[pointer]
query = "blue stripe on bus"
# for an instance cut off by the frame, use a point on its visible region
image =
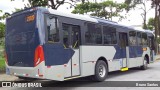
(120, 53)
(134, 51)
(139, 51)
(55, 54)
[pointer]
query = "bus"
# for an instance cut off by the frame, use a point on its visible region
(47, 44)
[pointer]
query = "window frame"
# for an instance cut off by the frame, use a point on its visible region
(140, 38)
(115, 33)
(101, 29)
(146, 39)
(135, 38)
(57, 25)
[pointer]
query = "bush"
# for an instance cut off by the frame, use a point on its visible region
(2, 42)
(2, 65)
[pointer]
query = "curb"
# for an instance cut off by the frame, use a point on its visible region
(158, 59)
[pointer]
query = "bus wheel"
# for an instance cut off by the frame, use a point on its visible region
(101, 71)
(145, 64)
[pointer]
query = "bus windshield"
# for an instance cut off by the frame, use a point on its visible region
(21, 38)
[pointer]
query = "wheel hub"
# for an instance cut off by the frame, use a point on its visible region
(102, 70)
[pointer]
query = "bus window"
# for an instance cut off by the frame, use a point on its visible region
(123, 40)
(139, 40)
(144, 39)
(75, 36)
(52, 28)
(65, 35)
(132, 38)
(109, 34)
(94, 34)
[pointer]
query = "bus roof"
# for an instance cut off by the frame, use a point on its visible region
(81, 17)
(86, 18)
(75, 16)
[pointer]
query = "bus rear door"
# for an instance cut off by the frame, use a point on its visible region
(71, 39)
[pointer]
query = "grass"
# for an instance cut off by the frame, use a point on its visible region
(2, 60)
(2, 64)
(1, 47)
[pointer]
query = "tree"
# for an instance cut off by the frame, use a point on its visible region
(54, 4)
(150, 24)
(3, 16)
(142, 6)
(156, 4)
(106, 9)
(131, 4)
(6, 14)
(2, 29)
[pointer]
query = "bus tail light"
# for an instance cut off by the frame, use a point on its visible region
(39, 55)
(6, 59)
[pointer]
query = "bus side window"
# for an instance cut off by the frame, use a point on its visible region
(144, 39)
(65, 35)
(75, 36)
(132, 38)
(52, 29)
(93, 34)
(109, 35)
(139, 38)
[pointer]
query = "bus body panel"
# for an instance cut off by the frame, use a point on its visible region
(66, 63)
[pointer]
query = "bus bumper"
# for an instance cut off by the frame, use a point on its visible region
(32, 72)
(40, 71)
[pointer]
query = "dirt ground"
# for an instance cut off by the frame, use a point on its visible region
(4, 77)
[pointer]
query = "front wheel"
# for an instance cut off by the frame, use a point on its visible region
(101, 71)
(145, 64)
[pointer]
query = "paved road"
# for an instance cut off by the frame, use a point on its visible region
(151, 74)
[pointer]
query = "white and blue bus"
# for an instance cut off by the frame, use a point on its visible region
(47, 44)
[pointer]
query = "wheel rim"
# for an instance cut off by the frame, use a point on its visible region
(102, 70)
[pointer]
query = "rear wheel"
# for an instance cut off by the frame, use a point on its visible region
(145, 64)
(101, 71)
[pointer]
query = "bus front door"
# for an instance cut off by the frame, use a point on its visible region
(123, 41)
(71, 39)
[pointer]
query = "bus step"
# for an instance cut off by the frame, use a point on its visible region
(124, 69)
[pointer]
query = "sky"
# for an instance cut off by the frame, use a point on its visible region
(134, 16)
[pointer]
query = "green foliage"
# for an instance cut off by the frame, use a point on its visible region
(3, 16)
(2, 29)
(158, 40)
(2, 64)
(150, 24)
(16, 10)
(2, 43)
(107, 9)
(2, 61)
(82, 8)
(132, 3)
(34, 3)
(54, 4)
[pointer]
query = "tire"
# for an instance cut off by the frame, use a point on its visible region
(145, 64)
(101, 71)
